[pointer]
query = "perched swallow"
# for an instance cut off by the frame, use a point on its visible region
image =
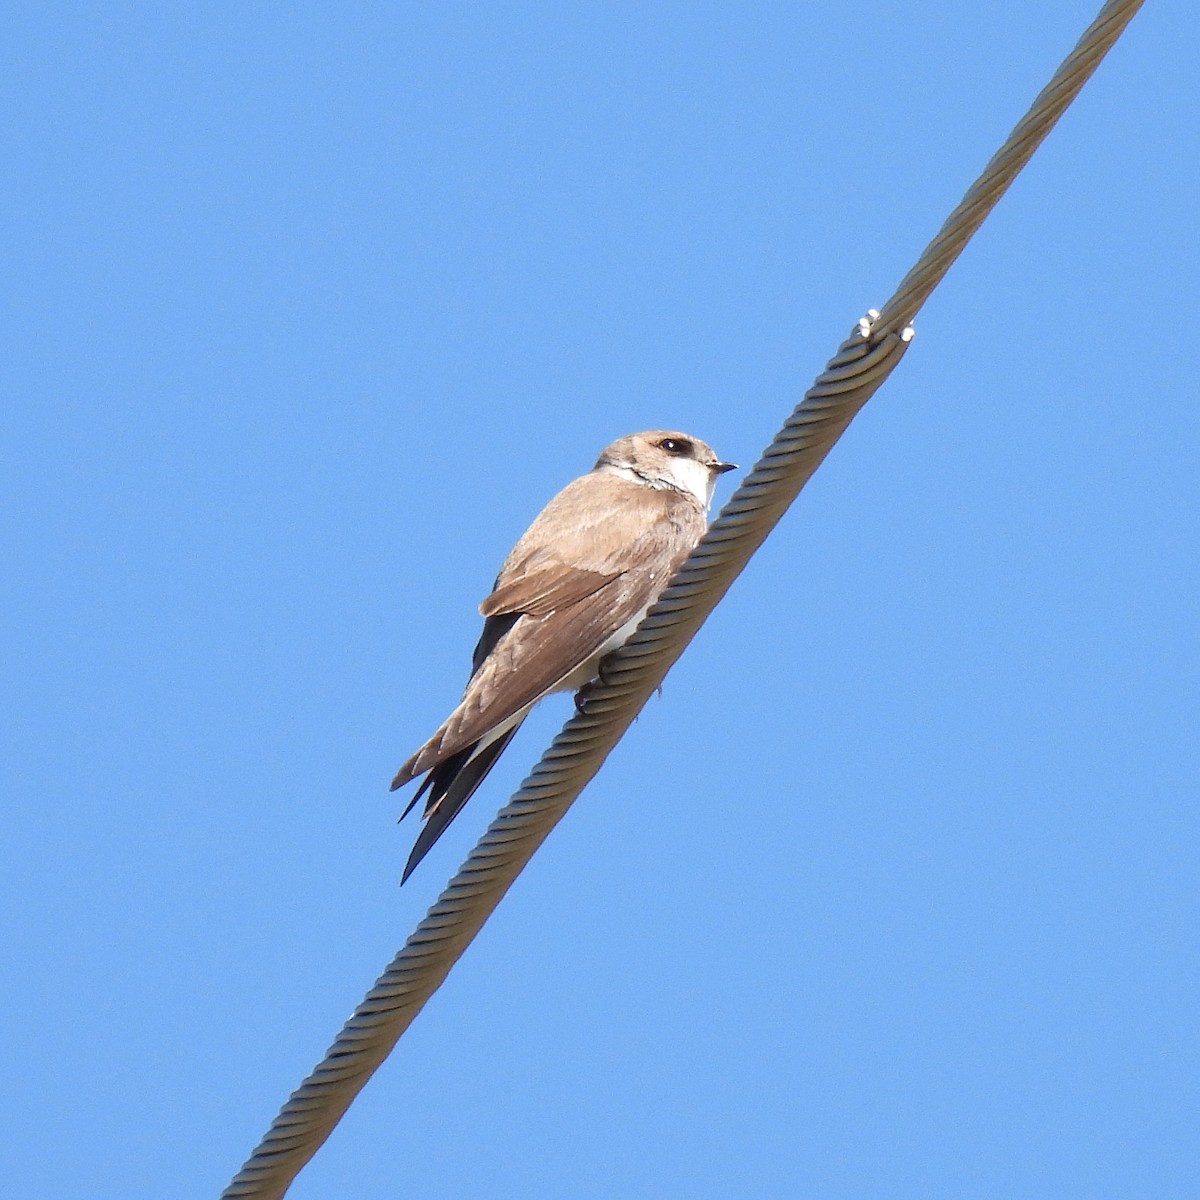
(571, 590)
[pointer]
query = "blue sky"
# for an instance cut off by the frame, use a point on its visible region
(893, 892)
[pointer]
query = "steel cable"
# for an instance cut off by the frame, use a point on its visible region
(632, 674)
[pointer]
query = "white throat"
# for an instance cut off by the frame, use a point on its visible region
(683, 474)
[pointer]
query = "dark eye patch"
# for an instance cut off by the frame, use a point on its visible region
(675, 445)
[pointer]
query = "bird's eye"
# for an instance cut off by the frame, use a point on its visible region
(675, 445)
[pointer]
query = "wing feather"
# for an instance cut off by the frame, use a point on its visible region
(549, 586)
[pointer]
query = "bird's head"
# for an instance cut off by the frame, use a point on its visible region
(665, 458)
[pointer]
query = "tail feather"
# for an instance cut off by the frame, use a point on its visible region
(450, 785)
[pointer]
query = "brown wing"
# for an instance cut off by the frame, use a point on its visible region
(602, 549)
(544, 589)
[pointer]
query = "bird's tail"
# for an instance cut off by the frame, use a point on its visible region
(449, 786)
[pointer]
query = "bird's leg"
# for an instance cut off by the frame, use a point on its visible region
(584, 694)
(601, 677)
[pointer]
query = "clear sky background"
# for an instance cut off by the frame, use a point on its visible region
(310, 308)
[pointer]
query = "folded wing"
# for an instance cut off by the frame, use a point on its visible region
(587, 566)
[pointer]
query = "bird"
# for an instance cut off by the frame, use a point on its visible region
(573, 588)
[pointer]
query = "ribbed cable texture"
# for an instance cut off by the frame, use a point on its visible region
(632, 674)
(1050, 103)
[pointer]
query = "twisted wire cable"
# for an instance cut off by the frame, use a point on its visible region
(632, 674)
(1049, 104)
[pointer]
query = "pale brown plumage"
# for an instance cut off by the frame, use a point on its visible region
(590, 564)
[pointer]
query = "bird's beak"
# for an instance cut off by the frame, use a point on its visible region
(721, 468)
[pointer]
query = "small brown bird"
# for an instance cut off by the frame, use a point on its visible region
(571, 590)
